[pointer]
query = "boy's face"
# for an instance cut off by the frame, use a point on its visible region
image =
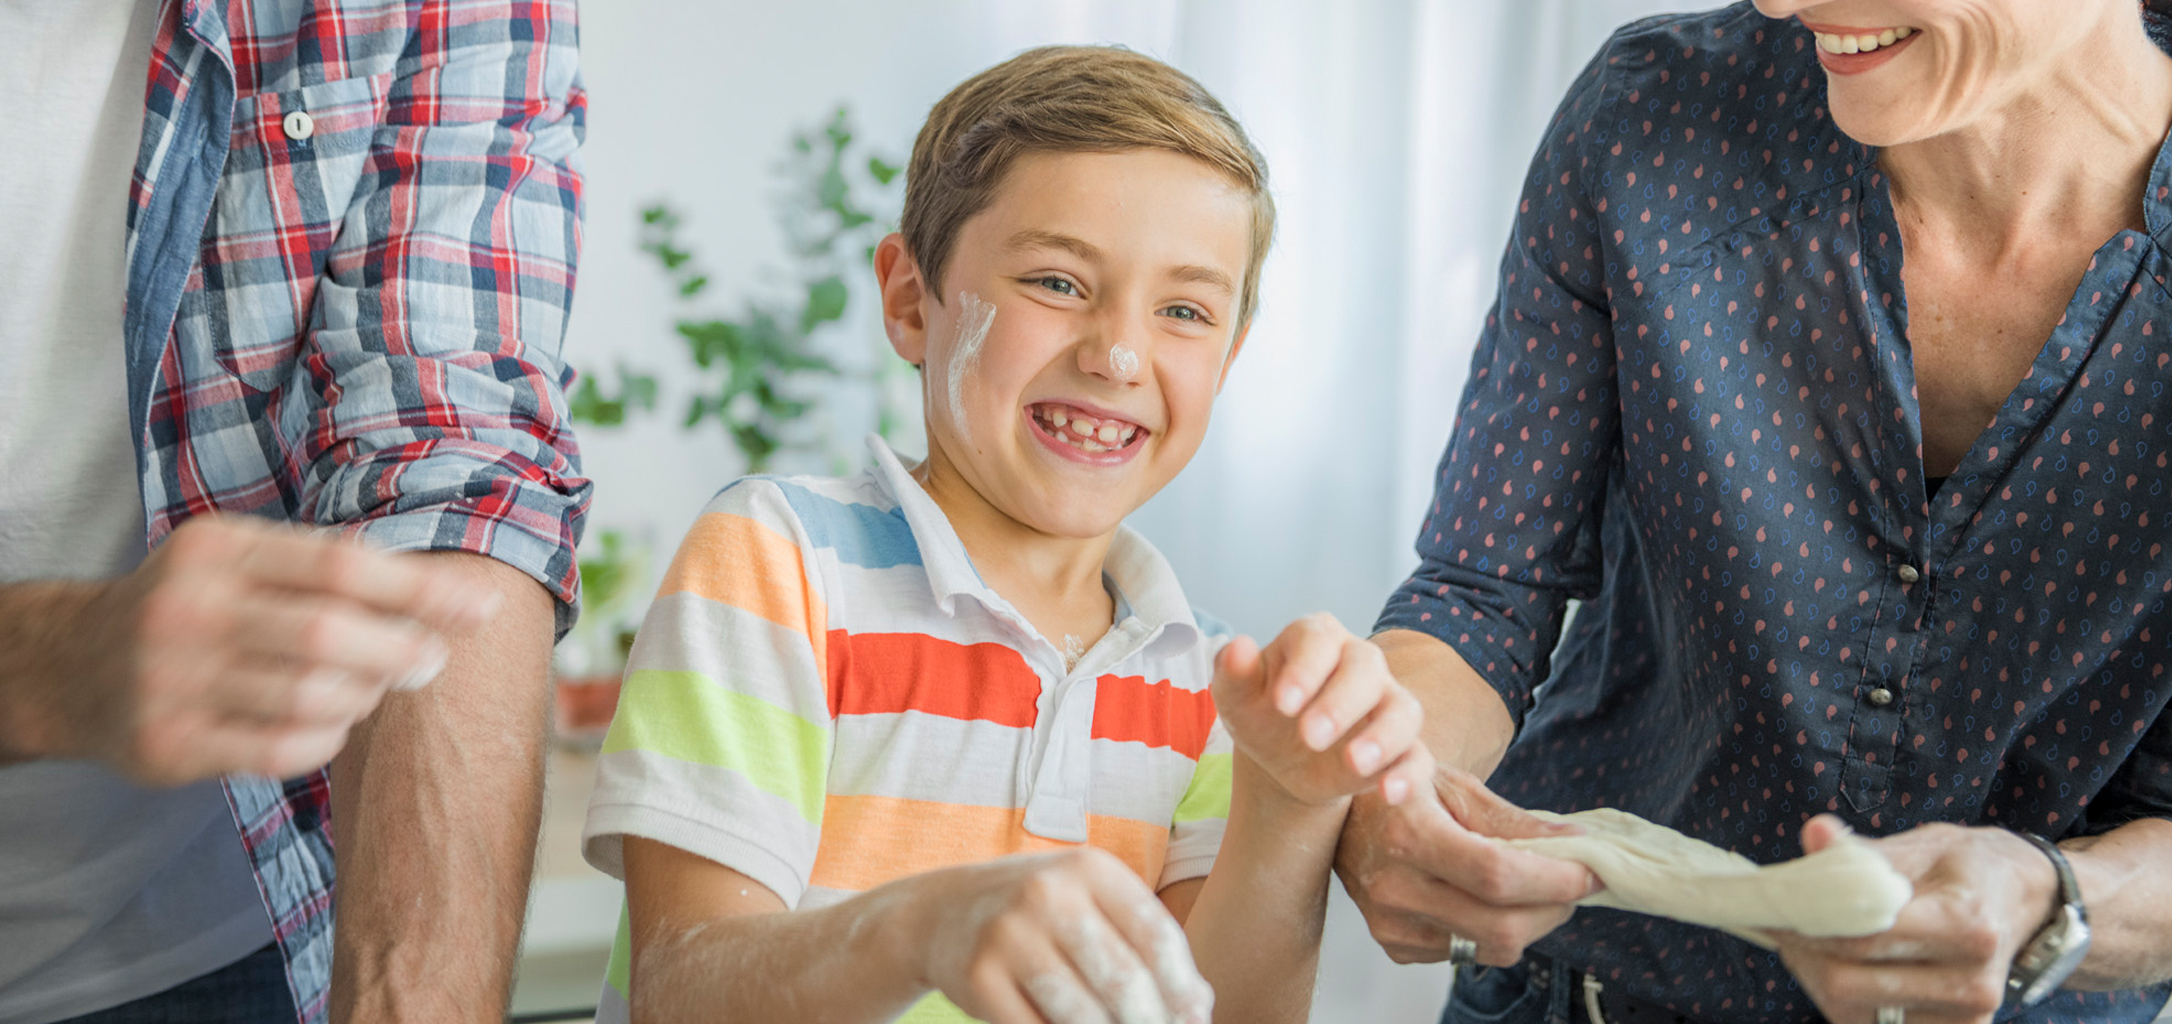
(1088, 316)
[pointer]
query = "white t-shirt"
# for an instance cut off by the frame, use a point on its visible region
(108, 891)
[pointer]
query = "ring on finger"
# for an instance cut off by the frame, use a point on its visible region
(1892, 1015)
(1463, 952)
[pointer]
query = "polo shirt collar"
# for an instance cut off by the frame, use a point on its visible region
(1144, 581)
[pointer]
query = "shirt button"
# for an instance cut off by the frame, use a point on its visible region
(299, 125)
(1881, 697)
(1908, 573)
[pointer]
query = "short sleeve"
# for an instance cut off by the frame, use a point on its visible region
(1512, 532)
(721, 742)
(1195, 832)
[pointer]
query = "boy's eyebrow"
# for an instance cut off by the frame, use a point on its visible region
(1196, 274)
(1032, 238)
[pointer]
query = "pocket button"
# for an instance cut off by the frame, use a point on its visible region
(299, 125)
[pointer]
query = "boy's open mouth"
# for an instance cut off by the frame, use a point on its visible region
(1085, 431)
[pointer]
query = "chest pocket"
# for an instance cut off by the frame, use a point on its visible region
(293, 167)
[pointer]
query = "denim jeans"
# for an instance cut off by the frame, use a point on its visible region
(1523, 994)
(251, 990)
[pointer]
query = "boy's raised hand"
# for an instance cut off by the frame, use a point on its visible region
(1319, 712)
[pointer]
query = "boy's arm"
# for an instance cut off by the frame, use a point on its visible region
(1255, 920)
(1314, 718)
(1065, 938)
(702, 932)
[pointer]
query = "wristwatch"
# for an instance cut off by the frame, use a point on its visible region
(2056, 951)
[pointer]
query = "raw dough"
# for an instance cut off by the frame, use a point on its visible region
(1846, 889)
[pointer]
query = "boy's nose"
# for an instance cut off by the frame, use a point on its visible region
(1116, 354)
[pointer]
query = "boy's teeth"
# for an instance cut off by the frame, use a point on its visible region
(1058, 418)
(1108, 433)
(1081, 428)
(1832, 43)
(1128, 431)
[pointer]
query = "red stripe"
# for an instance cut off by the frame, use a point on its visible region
(886, 673)
(1129, 709)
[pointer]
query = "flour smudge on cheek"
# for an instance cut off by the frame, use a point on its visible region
(974, 319)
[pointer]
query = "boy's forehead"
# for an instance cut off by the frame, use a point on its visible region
(1150, 205)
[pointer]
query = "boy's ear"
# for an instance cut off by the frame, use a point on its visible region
(1231, 359)
(897, 277)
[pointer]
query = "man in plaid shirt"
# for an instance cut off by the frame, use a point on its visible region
(331, 294)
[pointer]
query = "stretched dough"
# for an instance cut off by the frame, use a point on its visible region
(1846, 889)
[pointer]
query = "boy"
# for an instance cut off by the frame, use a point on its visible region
(955, 717)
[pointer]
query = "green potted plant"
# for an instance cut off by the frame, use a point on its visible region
(760, 374)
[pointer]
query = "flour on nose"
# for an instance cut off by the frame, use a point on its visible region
(1123, 364)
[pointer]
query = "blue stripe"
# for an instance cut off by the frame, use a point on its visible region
(862, 535)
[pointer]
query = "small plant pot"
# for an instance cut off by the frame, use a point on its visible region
(583, 709)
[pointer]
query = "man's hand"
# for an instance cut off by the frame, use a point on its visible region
(1318, 711)
(1428, 869)
(1981, 893)
(239, 645)
(1061, 938)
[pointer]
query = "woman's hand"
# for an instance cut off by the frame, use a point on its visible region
(1427, 870)
(1319, 713)
(1981, 894)
(1061, 938)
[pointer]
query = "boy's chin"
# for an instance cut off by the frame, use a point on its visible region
(1073, 523)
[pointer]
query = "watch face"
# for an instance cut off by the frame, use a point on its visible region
(2053, 955)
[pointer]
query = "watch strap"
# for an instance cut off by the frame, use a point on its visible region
(2069, 887)
(2048, 958)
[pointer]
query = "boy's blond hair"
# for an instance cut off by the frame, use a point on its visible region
(1069, 99)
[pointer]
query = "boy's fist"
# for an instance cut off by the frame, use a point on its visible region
(1319, 712)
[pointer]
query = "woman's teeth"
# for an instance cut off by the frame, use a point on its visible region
(1084, 432)
(1832, 43)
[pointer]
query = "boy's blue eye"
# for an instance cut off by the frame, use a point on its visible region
(1060, 286)
(1186, 313)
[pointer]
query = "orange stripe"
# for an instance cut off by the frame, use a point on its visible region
(870, 840)
(734, 560)
(1158, 715)
(887, 673)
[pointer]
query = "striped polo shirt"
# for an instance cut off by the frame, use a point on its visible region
(826, 697)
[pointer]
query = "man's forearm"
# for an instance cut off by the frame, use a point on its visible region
(1255, 928)
(33, 617)
(1466, 725)
(435, 806)
(2126, 881)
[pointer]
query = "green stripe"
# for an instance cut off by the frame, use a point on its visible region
(619, 975)
(691, 717)
(1208, 795)
(934, 1010)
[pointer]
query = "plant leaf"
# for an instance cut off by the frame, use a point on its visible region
(825, 302)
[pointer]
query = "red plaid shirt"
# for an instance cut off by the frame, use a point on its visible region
(351, 240)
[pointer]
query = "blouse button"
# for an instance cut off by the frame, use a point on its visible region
(299, 125)
(1908, 574)
(1881, 697)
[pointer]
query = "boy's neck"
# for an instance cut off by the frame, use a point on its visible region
(1054, 581)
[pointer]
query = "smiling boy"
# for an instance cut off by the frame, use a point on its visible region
(931, 741)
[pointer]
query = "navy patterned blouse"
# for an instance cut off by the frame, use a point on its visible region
(1693, 409)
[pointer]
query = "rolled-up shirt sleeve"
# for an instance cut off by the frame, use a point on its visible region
(1512, 532)
(435, 415)
(2141, 786)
